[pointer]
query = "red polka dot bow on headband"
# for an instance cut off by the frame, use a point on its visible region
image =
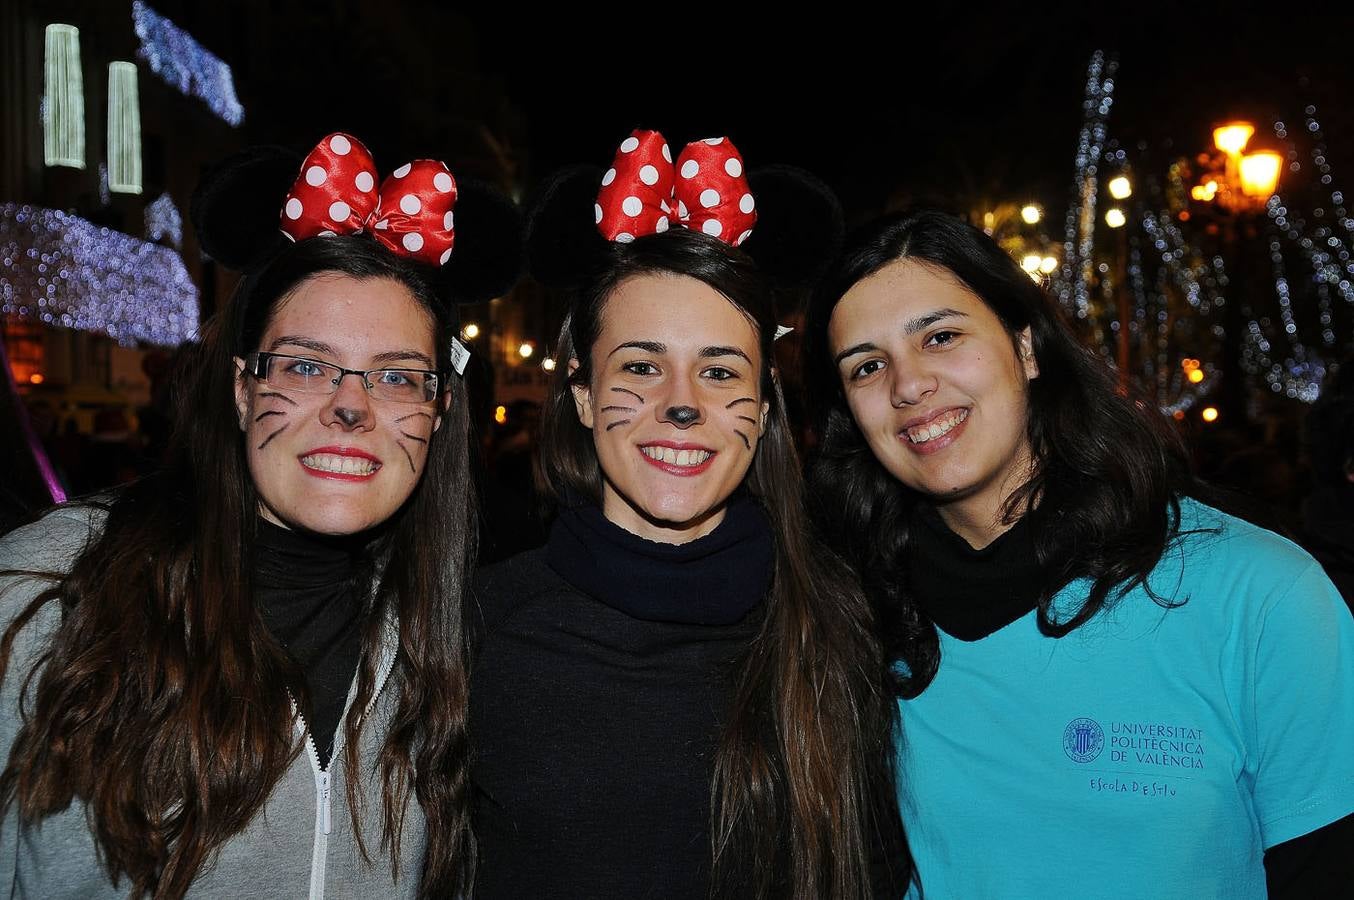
(644, 192)
(336, 194)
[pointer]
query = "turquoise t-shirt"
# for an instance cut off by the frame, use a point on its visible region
(1151, 753)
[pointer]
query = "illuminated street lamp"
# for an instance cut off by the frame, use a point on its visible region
(1260, 173)
(1249, 179)
(1233, 137)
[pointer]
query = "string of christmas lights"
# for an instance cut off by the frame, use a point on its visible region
(164, 221)
(1073, 288)
(65, 271)
(185, 64)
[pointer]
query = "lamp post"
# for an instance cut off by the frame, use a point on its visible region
(1121, 188)
(1237, 194)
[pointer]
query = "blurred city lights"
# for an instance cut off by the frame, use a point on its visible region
(1048, 264)
(501, 414)
(526, 349)
(470, 331)
(36, 378)
(1114, 217)
(548, 364)
(1031, 214)
(1209, 414)
(1031, 262)
(1120, 188)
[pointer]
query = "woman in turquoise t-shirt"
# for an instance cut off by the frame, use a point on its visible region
(1105, 686)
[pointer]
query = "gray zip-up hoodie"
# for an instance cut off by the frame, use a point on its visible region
(300, 844)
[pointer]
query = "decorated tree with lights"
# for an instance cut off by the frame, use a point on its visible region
(1195, 282)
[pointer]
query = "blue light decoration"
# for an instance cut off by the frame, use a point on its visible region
(164, 221)
(68, 272)
(1073, 288)
(182, 62)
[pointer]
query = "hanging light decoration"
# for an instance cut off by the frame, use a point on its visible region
(65, 271)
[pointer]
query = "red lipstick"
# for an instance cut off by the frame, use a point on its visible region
(672, 468)
(314, 469)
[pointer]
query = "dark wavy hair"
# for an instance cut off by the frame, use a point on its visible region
(181, 750)
(796, 787)
(1108, 470)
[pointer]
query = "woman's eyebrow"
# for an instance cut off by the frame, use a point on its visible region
(714, 352)
(852, 351)
(912, 326)
(646, 346)
(308, 343)
(390, 356)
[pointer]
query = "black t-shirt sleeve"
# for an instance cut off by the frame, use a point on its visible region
(1318, 864)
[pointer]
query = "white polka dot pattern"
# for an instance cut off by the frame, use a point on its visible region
(336, 193)
(706, 186)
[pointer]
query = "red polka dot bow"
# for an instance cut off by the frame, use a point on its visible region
(644, 192)
(336, 193)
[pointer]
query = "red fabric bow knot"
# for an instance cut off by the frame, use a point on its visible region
(411, 215)
(645, 192)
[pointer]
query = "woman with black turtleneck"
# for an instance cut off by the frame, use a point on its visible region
(1106, 687)
(308, 589)
(598, 701)
(676, 697)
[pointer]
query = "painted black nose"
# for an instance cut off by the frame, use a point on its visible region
(350, 417)
(683, 415)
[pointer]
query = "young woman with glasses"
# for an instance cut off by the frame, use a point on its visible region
(243, 676)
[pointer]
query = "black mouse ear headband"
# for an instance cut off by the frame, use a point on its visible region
(467, 233)
(787, 220)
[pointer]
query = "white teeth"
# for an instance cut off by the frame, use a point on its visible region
(923, 433)
(688, 458)
(341, 465)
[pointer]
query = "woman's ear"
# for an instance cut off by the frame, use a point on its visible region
(582, 397)
(241, 394)
(1025, 344)
(445, 403)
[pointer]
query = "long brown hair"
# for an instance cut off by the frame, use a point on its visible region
(162, 702)
(799, 774)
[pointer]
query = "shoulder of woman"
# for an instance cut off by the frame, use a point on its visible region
(498, 590)
(1228, 553)
(51, 543)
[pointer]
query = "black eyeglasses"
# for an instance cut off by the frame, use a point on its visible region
(310, 376)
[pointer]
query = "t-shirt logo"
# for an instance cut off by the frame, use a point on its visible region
(1083, 739)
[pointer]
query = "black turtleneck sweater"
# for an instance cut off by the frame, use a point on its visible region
(306, 593)
(598, 690)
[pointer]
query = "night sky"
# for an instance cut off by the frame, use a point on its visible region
(977, 107)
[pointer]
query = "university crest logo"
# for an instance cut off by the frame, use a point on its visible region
(1083, 739)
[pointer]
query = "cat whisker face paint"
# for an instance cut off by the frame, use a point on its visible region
(340, 462)
(674, 405)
